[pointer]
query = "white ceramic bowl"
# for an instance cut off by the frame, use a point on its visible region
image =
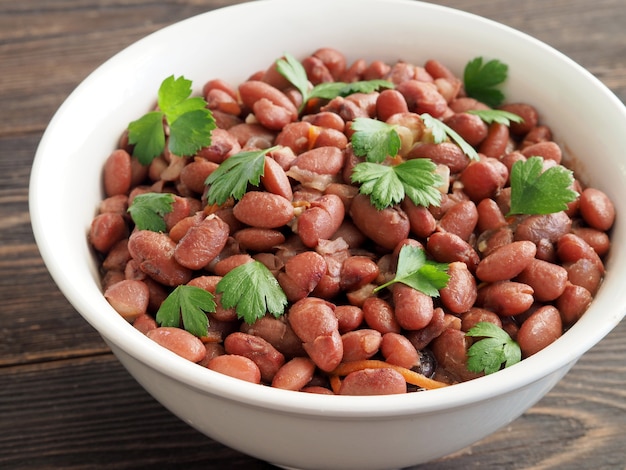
(290, 428)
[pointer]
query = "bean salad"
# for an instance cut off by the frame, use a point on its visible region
(378, 219)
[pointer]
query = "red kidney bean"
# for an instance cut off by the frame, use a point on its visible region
(446, 247)
(195, 173)
(548, 280)
(202, 243)
(413, 309)
(239, 367)
(117, 256)
(315, 323)
(491, 240)
(128, 298)
(570, 248)
(528, 114)
(572, 303)
(114, 204)
(460, 293)
(475, 315)
(144, 323)
(321, 220)
(550, 227)
(421, 221)
(295, 374)
(263, 210)
(390, 102)
(398, 350)
(373, 382)
(422, 97)
(360, 344)
(228, 263)
(460, 219)
(117, 173)
(333, 59)
(106, 230)
(597, 209)
(357, 271)
(271, 115)
(506, 262)
(450, 351)
(483, 179)
(259, 239)
(331, 138)
(275, 180)
(422, 338)
(155, 254)
(496, 142)
(278, 333)
(597, 239)
(302, 274)
(539, 330)
(178, 341)
(585, 273)
(490, 216)
(316, 70)
(506, 298)
(547, 150)
(321, 160)
(469, 126)
(255, 348)
(379, 315)
(385, 227)
(252, 91)
(462, 104)
(445, 153)
(209, 283)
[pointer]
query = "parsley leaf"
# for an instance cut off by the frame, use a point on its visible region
(496, 115)
(534, 191)
(495, 349)
(190, 123)
(294, 72)
(147, 210)
(442, 131)
(375, 140)
(417, 272)
(388, 185)
(253, 290)
(232, 177)
(189, 303)
(480, 80)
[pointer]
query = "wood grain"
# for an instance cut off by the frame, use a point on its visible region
(65, 401)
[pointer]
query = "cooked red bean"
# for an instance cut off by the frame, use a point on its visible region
(373, 382)
(539, 330)
(236, 366)
(329, 247)
(179, 341)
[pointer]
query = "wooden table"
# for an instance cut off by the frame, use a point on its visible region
(65, 401)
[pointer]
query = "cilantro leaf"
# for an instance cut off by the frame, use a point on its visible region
(442, 131)
(188, 303)
(496, 115)
(480, 80)
(417, 272)
(534, 191)
(290, 68)
(253, 290)
(232, 177)
(388, 185)
(495, 349)
(375, 140)
(147, 210)
(190, 123)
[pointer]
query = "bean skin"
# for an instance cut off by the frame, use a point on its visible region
(253, 90)
(539, 330)
(447, 247)
(294, 374)
(483, 179)
(255, 348)
(422, 97)
(360, 344)
(357, 271)
(460, 293)
(155, 254)
(548, 280)
(373, 382)
(572, 303)
(585, 273)
(349, 317)
(195, 173)
(144, 323)
(379, 315)
(506, 298)
(275, 180)
(597, 209)
(302, 274)
(129, 298)
(506, 262)
(469, 126)
(490, 216)
(278, 333)
(422, 338)
(598, 240)
(528, 114)
(202, 243)
(547, 150)
(495, 144)
(538, 227)
(390, 102)
(259, 239)
(570, 248)
(263, 210)
(421, 220)
(106, 230)
(117, 173)
(321, 220)
(460, 219)
(239, 367)
(398, 350)
(179, 341)
(476, 315)
(413, 309)
(445, 153)
(386, 227)
(321, 160)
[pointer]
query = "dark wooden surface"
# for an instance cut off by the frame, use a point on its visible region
(65, 402)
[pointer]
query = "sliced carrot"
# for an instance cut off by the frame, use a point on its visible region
(314, 132)
(335, 383)
(410, 376)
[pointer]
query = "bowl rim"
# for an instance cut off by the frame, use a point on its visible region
(561, 354)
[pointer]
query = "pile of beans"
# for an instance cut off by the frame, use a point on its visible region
(328, 247)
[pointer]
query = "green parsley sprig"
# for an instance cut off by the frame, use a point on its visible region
(291, 68)
(534, 191)
(441, 132)
(147, 210)
(190, 123)
(373, 139)
(253, 291)
(482, 79)
(418, 272)
(495, 349)
(496, 115)
(189, 305)
(232, 177)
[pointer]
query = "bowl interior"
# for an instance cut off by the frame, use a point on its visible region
(230, 44)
